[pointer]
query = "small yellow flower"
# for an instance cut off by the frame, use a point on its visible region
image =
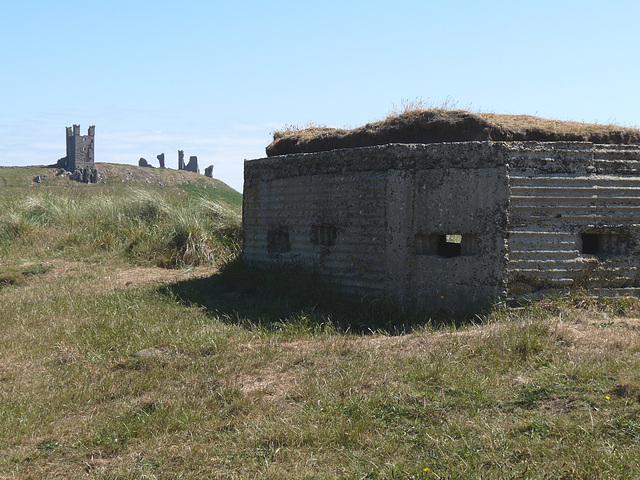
(607, 398)
(426, 470)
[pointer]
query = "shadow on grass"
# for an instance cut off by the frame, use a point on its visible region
(290, 297)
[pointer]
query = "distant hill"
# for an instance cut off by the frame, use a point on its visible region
(115, 176)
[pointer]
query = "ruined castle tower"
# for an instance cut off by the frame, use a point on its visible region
(80, 149)
(80, 157)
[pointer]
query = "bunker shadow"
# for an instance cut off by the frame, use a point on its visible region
(290, 296)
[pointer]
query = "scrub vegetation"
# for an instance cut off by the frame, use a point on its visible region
(165, 223)
(116, 367)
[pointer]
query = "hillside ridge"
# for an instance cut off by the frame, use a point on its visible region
(113, 175)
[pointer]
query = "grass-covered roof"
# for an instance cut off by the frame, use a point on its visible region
(440, 125)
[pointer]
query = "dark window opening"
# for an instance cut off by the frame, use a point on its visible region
(448, 246)
(278, 241)
(324, 235)
(604, 244)
(590, 244)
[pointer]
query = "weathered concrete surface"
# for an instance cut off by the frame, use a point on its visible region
(451, 225)
(559, 194)
(381, 201)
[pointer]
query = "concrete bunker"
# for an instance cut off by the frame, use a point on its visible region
(451, 225)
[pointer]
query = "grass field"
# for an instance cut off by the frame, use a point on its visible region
(117, 363)
(147, 216)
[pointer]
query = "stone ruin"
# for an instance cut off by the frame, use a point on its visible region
(80, 158)
(191, 166)
(85, 175)
(143, 163)
(80, 155)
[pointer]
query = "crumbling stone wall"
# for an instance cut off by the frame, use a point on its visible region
(85, 175)
(180, 159)
(192, 166)
(453, 226)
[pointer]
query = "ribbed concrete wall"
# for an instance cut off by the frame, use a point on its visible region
(384, 202)
(529, 217)
(558, 193)
(304, 203)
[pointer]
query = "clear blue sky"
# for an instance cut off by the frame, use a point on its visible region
(215, 78)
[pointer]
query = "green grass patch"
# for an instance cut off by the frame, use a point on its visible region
(147, 381)
(207, 191)
(250, 373)
(143, 226)
(16, 275)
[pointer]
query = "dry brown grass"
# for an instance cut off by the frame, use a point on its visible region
(418, 122)
(308, 131)
(516, 123)
(523, 123)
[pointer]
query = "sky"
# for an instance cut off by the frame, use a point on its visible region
(216, 79)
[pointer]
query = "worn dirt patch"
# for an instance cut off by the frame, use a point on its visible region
(136, 276)
(600, 332)
(107, 279)
(279, 379)
(560, 404)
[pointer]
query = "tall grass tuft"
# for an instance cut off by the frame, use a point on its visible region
(141, 226)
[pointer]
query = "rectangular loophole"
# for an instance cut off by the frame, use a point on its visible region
(606, 244)
(278, 241)
(324, 235)
(447, 245)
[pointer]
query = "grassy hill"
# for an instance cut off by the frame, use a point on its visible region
(116, 178)
(145, 216)
(135, 345)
